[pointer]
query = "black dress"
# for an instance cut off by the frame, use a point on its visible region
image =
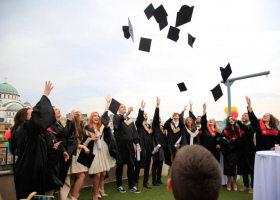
(31, 165)
(246, 150)
(229, 148)
(208, 138)
(266, 138)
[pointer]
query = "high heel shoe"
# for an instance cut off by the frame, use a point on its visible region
(102, 195)
(235, 187)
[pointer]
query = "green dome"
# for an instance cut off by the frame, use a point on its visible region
(7, 88)
(14, 108)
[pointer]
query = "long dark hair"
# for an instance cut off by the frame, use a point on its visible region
(273, 122)
(20, 117)
(229, 129)
(192, 125)
(79, 132)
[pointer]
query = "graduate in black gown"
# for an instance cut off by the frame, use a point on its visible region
(126, 135)
(191, 134)
(175, 128)
(145, 133)
(209, 134)
(267, 133)
(59, 160)
(229, 146)
(246, 152)
(197, 119)
(31, 165)
(159, 138)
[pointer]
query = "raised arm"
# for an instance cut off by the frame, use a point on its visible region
(105, 118)
(204, 118)
(156, 115)
(191, 112)
(140, 117)
(43, 115)
(248, 100)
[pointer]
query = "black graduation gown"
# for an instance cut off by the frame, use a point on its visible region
(267, 138)
(145, 133)
(187, 136)
(173, 134)
(246, 150)
(229, 148)
(57, 167)
(125, 134)
(197, 140)
(208, 138)
(30, 167)
(159, 137)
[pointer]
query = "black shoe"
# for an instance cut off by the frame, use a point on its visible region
(160, 182)
(155, 184)
(134, 190)
(121, 190)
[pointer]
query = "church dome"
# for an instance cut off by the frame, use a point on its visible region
(7, 88)
(14, 108)
(27, 103)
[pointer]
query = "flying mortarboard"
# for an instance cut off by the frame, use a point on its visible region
(191, 40)
(182, 87)
(114, 106)
(226, 72)
(217, 92)
(128, 31)
(173, 33)
(160, 14)
(163, 24)
(184, 15)
(149, 11)
(145, 44)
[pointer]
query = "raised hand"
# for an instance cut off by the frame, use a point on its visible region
(204, 106)
(158, 101)
(185, 108)
(108, 99)
(130, 109)
(73, 114)
(48, 88)
(143, 104)
(248, 100)
(191, 103)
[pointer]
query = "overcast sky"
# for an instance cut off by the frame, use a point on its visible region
(80, 47)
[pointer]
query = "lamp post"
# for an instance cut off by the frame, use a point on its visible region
(230, 81)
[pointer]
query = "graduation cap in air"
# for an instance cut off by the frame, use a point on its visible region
(226, 72)
(191, 39)
(128, 31)
(217, 92)
(160, 15)
(114, 106)
(149, 11)
(182, 87)
(184, 15)
(173, 33)
(145, 44)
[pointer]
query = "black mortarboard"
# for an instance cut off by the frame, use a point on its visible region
(85, 159)
(184, 15)
(149, 11)
(160, 14)
(182, 87)
(114, 106)
(226, 72)
(163, 24)
(217, 92)
(173, 33)
(191, 40)
(145, 44)
(128, 31)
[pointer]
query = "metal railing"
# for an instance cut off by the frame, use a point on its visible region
(7, 160)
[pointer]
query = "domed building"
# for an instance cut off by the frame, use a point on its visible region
(10, 102)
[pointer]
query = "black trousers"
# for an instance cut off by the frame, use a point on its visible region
(146, 171)
(130, 173)
(156, 170)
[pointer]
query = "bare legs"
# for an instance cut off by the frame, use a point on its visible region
(101, 184)
(79, 179)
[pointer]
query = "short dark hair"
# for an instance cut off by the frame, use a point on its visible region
(195, 174)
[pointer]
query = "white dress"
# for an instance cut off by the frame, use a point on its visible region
(102, 160)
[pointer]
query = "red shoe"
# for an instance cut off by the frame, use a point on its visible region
(146, 185)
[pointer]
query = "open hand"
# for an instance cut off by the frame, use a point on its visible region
(48, 88)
